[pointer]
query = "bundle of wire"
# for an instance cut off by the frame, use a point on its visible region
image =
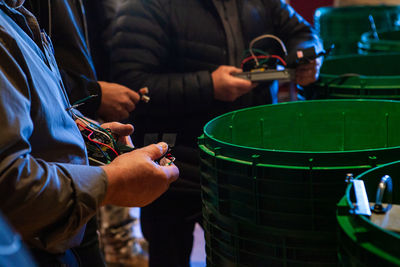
(100, 143)
(266, 62)
(256, 58)
(102, 147)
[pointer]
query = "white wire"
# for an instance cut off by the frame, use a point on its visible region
(263, 37)
(94, 129)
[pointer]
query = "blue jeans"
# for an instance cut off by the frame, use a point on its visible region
(86, 254)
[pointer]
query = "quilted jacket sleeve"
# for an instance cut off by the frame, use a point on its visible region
(141, 58)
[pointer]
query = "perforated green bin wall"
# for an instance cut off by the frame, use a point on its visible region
(272, 175)
(372, 76)
(343, 26)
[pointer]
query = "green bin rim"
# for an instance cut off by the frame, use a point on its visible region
(364, 158)
(367, 37)
(370, 44)
(391, 81)
(363, 217)
(339, 10)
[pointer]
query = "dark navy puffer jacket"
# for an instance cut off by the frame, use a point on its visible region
(172, 46)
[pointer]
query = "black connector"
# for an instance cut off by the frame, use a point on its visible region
(166, 159)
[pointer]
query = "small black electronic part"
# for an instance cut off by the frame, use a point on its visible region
(166, 159)
(304, 56)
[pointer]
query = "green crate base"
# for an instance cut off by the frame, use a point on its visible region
(249, 244)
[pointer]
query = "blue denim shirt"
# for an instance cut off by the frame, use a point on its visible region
(47, 191)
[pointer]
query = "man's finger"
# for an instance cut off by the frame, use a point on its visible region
(155, 151)
(239, 82)
(311, 65)
(232, 69)
(119, 128)
(129, 105)
(120, 115)
(144, 90)
(135, 97)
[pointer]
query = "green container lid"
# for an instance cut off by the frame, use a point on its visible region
(361, 241)
(343, 26)
(387, 42)
(373, 76)
(279, 170)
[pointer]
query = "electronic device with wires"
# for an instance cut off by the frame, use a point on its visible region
(260, 66)
(101, 144)
(103, 147)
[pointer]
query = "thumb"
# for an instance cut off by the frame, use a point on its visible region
(156, 151)
(232, 69)
(119, 128)
(144, 90)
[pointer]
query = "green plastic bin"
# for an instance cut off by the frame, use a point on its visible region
(343, 26)
(361, 241)
(373, 76)
(387, 42)
(272, 175)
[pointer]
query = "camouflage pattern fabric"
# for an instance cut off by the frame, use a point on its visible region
(120, 246)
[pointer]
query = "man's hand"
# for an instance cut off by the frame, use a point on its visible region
(117, 101)
(122, 130)
(227, 87)
(135, 180)
(308, 73)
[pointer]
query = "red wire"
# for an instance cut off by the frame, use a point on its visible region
(270, 56)
(97, 142)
